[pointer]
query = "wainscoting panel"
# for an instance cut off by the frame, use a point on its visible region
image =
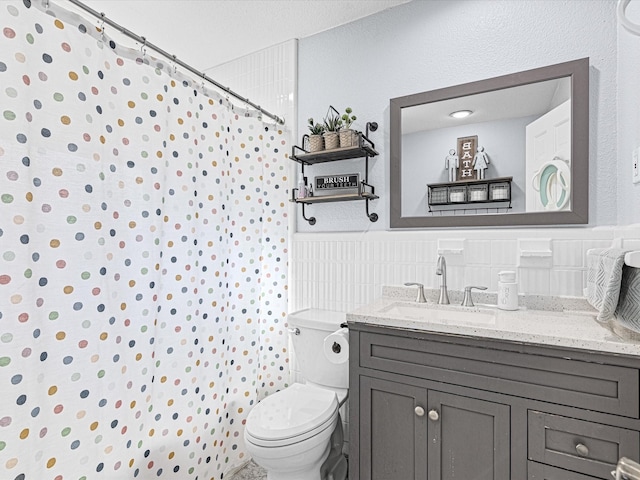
(343, 271)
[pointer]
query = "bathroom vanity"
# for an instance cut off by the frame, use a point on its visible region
(447, 393)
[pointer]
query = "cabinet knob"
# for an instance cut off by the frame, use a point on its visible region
(419, 411)
(582, 450)
(433, 415)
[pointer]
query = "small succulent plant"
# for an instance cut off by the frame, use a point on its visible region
(315, 128)
(347, 118)
(332, 123)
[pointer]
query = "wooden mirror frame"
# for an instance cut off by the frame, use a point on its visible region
(578, 71)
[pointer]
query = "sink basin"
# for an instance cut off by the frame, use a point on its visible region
(442, 314)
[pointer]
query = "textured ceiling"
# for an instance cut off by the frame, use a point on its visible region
(207, 33)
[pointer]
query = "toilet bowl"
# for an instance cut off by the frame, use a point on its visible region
(296, 433)
(288, 433)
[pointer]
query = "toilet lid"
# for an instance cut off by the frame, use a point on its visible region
(291, 412)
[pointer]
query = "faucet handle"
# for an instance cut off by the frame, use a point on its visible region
(467, 301)
(420, 298)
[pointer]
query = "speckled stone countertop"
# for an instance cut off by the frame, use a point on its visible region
(568, 323)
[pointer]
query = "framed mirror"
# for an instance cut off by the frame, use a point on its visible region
(507, 151)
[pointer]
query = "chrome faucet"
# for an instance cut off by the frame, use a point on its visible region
(441, 269)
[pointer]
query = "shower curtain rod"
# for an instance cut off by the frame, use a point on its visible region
(174, 59)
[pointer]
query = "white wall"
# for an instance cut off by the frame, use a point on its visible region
(628, 117)
(267, 77)
(422, 46)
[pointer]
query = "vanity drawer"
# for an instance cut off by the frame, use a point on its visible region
(594, 386)
(539, 471)
(584, 447)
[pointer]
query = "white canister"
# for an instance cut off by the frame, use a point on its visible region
(507, 290)
(302, 188)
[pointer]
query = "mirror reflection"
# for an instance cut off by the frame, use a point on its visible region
(499, 147)
(519, 135)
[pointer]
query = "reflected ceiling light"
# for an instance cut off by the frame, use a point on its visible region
(460, 113)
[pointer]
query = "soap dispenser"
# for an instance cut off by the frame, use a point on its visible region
(507, 290)
(302, 187)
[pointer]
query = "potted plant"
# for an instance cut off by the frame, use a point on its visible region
(332, 126)
(316, 142)
(348, 136)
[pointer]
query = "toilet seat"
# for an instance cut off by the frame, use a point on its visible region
(553, 182)
(291, 416)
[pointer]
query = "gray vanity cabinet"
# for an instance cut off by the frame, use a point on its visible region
(462, 437)
(427, 406)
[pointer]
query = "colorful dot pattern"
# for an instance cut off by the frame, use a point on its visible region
(143, 269)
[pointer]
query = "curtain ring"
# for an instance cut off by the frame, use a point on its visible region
(143, 48)
(102, 35)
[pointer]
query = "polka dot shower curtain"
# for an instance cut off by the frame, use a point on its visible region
(143, 260)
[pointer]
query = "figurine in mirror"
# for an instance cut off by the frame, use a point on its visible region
(451, 164)
(480, 163)
(521, 150)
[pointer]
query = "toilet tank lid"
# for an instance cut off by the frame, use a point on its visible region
(314, 317)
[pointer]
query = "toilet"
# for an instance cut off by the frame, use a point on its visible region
(297, 434)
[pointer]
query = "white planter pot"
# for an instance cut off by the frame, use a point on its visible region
(348, 138)
(316, 143)
(331, 140)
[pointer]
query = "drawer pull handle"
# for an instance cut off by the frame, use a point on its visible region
(419, 411)
(582, 450)
(433, 415)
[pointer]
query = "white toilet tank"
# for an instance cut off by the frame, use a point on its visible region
(314, 325)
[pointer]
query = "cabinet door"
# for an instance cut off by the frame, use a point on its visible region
(393, 430)
(468, 438)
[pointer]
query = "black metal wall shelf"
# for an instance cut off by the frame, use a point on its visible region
(363, 148)
(335, 198)
(345, 153)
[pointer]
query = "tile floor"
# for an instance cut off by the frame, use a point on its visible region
(251, 472)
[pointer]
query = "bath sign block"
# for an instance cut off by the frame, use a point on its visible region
(466, 150)
(331, 182)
